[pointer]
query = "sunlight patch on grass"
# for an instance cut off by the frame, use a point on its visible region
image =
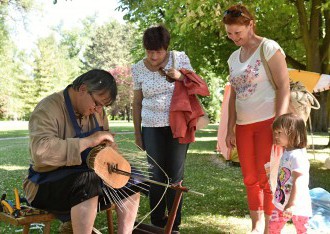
(13, 125)
(319, 156)
(119, 123)
(12, 167)
(228, 224)
(320, 139)
(218, 224)
(206, 138)
(197, 151)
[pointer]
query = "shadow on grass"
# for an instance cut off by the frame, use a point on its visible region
(223, 189)
(319, 175)
(318, 147)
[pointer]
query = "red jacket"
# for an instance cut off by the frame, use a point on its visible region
(185, 107)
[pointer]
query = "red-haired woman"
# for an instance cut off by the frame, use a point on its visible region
(253, 104)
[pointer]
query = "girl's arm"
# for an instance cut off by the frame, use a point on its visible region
(296, 184)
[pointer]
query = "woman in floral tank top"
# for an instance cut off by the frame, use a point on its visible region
(253, 104)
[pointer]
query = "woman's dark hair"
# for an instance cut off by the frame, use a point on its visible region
(294, 127)
(99, 81)
(156, 38)
(237, 14)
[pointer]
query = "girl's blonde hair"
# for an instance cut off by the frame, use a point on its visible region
(294, 127)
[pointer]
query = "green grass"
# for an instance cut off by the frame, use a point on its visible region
(20, 129)
(223, 209)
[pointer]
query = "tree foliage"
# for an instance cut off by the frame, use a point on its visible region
(110, 46)
(53, 69)
(23, 5)
(124, 100)
(76, 40)
(197, 24)
(58, 59)
(110, 49)
(302, 28)
(11, 70)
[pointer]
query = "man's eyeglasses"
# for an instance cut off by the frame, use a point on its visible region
(235, 13)
(97, 103)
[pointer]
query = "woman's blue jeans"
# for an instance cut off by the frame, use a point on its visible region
(170, 155)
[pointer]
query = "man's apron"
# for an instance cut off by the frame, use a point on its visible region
(62, 172)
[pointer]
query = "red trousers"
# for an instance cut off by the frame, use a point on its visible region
(254, 142)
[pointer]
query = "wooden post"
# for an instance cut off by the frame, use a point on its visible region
(179, 190)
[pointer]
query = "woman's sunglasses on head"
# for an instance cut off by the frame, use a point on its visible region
(235, 13)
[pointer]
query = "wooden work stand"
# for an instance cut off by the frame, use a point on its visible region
(46, 219)
(26, 221)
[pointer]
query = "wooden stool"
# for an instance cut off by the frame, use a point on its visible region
(26, 221)
(46, 219)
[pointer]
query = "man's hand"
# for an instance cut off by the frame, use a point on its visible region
(96, 139)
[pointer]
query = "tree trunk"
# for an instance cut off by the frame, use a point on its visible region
(321, 117)
(128, 113)
(313, 57)
(310, 31)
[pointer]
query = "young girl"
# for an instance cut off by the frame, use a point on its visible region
(291, 198)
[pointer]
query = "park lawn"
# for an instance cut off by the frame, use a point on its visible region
(20, 128)
(223, 207)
